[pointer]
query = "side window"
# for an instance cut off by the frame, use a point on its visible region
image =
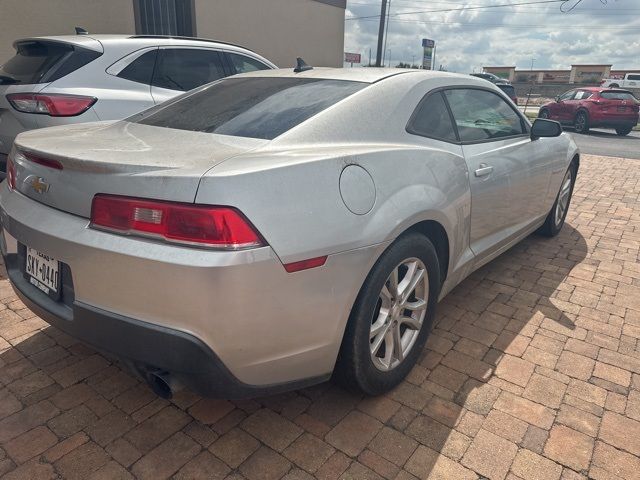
(633, 77)
(184, 68)
(567, 95)
(431, 119)
(243, 64)
(582, 95)
(141, 69)
(482, 115)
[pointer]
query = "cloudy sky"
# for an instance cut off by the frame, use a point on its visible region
(594, 31)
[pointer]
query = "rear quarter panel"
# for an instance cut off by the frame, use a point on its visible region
(299, 209)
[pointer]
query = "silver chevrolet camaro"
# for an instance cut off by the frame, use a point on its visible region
(264, 231)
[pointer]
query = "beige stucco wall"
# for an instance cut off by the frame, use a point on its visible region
(281, 30)
(26, 18)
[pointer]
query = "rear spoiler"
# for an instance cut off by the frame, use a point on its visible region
(81, 41)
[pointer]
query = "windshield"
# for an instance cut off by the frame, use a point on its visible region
(256, 107)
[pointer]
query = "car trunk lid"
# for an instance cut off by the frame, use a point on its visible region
(617, 102)
(119, 158)
(38, 62)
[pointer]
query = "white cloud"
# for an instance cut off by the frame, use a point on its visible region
(469, 39)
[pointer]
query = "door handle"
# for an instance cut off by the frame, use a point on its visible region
(484, 170)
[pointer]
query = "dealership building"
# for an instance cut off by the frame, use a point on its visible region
(585, 74)
(280, 30)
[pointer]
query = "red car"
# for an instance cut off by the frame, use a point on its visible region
(589, 107)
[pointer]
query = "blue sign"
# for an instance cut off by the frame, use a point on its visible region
(426, 43)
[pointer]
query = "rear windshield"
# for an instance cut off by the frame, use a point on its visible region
(613, 95)
(258, 107)
(42, 62)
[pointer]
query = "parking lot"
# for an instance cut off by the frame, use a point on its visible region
(532, 372)
(606, 142)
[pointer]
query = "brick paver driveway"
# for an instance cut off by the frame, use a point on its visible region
(532, 372)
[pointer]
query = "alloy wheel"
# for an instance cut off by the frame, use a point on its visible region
(581, 122)
(544, 114)
(563, 198)
(399, 314)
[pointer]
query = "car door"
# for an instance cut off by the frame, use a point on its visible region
(563, 106)
(508, 176)
(632, 81)
(181, 69)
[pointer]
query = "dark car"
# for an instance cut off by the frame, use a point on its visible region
(589, 107)
(490, 77)
(509, 90)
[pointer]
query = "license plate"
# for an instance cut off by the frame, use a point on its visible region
(43, 272)
(622, 109)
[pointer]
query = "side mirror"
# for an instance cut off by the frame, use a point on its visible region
(545, 128)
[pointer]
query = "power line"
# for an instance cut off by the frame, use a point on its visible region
(460, 9)
(528, 10)
(502, 25)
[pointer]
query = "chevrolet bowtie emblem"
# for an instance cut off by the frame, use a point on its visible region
(39, 185)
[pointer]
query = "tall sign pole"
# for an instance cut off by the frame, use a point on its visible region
(428, 46)
(383, 17)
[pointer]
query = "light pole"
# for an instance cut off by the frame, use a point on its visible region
(389, 56)
(413, 60)
(532, 60)
(383, 17)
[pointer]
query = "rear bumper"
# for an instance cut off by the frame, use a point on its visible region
(613, 121)
(237, 317)
(146, 345)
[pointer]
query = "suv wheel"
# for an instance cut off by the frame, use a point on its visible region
(581, 122)
(544, 113)
(622, 131)
(391, 318)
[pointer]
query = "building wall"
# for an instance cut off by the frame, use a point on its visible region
(280, 30)
(29, 18)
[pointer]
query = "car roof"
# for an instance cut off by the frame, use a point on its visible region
(362, 74)
(96, 41)
(603, 89)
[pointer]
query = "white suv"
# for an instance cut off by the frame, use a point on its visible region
(83, 78)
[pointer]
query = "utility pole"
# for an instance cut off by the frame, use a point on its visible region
(383, 18)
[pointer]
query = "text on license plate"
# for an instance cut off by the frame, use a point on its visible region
(43, 270)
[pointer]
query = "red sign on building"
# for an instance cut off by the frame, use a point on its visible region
(351, 57)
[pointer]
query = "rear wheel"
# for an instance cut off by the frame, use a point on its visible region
(544, 113)
(555, 219)
(391, 318)
(581, 122)
(614, 85)
(622, 131)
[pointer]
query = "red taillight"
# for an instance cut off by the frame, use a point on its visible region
(197, 225)
(45, 162)
(55, 105)
(11, 172)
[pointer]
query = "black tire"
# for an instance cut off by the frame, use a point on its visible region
(543, 113)
(622, 131)
(614, 85)
(581, 122)
(355, 369)
(551, 227)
